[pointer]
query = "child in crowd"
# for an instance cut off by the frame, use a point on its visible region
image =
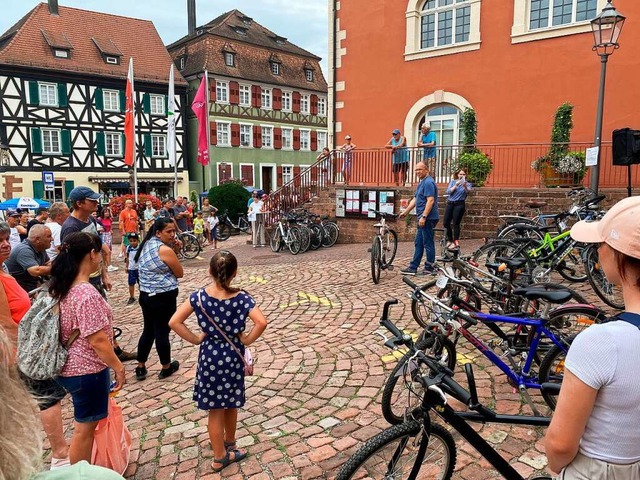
(213, 226)
(106, 235)
(198, 229)
(219, 383)
(132, 266)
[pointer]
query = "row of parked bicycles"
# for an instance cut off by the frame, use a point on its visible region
(300, 231)
(503, 302)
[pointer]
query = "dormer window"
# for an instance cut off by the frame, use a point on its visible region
(240, 31)
(112, 60)
(182, 62)
(110, 53)
(279, 40)
(275, 68)
(59, 43)
(61, 53)
(308, 73)
(230, 59)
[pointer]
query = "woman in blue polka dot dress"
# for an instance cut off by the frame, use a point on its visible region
(219, 383)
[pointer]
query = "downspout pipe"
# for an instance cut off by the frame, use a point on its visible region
(335, 70)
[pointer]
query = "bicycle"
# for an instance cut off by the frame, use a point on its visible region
(608, 292)
(420, 446)
(331, 231)
(285, 234)
(383, 246)
(189, 246)
(226, 226)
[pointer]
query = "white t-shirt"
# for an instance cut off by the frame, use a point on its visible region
(55, 228)
(606, 357)
(213, 221)
(14, 238)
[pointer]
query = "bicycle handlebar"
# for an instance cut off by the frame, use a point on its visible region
(384, 214)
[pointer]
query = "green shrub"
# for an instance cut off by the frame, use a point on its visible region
(477, 165)
(193, 196)
(231, 196)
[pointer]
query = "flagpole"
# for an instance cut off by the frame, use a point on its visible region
(135, 153)
(209, 170)
(171, 132)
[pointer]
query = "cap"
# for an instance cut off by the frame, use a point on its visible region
(396, 132)
(80, 193)
(82, 471)
(133, 235)
(619, 228)
(348, 137)
(13, 213)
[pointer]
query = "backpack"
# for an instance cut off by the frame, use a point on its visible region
(41, 355)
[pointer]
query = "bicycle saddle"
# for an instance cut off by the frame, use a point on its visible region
(535, 292)
(536, 204)
(512, 262)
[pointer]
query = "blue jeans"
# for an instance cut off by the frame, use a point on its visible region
(424, 243)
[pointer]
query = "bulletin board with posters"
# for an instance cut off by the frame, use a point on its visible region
(353, 203)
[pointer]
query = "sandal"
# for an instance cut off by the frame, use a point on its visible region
(227, 460)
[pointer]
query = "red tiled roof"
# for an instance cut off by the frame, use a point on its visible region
(85, 31)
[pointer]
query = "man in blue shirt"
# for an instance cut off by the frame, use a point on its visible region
(428, 141)
(425, 202)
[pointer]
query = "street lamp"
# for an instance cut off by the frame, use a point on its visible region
(606, 29)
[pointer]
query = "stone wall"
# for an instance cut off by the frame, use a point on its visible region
(484, 205)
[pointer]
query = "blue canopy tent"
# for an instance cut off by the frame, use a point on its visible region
(23, 202)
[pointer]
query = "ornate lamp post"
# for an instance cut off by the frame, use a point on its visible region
(606, 29)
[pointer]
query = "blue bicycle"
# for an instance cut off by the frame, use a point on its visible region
(449, 324)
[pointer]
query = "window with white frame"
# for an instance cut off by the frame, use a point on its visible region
(50, 141)
(266, 98)
(48, 94)
(222, 92)
(286, 101)
(287, 138)
(157, 104)
(552, 13)
(305, 139)
(287, 174)
(308, 73)
(267, 137)
(245, 95)
(229, 59)
(322, 106)
(246, 135)
(444, 22)
(158, 145)
(112, 143)
(322, 140)
(111, 100)
(304, 104)
(223, 130)
(275, 68)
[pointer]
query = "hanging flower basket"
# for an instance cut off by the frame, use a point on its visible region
(551, 178)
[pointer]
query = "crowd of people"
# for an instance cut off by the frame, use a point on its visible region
(77, 280)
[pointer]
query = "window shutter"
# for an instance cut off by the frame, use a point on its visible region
(65, 142)
(38, 189)
(314, 140)
(295, 100)
(212, 91)
(123, 144)
(246, 174)
(257, 136)
(63, 101)
(277, 99)
(100, 144)
(68, 186)
(296, 176)
(123, 101)
(277, 138)
(148, 147)
(146, 103)
(36, 141)
(256, 96)
(98, 99)
(213, 130)
(296, 139)
(279, 176)
(314, 105)
(34, 93)
(235, 135)
(234, 93)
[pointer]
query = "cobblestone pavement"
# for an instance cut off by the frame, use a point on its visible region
(315, 396)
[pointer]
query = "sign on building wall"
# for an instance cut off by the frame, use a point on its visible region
(359, 203)
(48, 181)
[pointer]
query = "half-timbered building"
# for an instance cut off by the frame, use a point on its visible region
(62, 81)
(268, 101)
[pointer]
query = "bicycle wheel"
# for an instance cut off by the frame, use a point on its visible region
(609, 293)
(190, 246)
(316, 236)
(422, 310)
(389, 247)
(572, 268)
(376, 260)
(331, 232)
(521, 230)
(224, 232)
(552, 370)
(244, 225)
(276, 240)
(305, 238)
(401, 393)
(294, 240)
(393, 452)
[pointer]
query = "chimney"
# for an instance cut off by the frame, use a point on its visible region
(191, 16)
(53, 7)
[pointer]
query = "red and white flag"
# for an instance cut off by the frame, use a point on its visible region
(200, 108)
(129, 121)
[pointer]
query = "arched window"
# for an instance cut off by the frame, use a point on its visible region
(445, 122)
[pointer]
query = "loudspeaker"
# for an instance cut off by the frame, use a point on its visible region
(626, 146)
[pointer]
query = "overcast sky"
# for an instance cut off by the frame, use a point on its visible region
(302, 22)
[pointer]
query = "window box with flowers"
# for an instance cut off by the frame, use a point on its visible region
(561, 171)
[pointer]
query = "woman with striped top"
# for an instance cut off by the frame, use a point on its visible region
(159, 270)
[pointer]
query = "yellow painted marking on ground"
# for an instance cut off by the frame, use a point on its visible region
(463, 359)
(398, 353)
(316, 299)
(257, 279)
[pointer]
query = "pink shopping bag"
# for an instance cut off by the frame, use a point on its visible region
(112, 441)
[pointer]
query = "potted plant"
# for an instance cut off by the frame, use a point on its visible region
(476, 164)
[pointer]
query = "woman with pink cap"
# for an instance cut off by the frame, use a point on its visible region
(595, 431)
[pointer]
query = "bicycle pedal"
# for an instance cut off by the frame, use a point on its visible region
(389, 267)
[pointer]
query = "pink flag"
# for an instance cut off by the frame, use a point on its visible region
(199, 107)
(129, 121)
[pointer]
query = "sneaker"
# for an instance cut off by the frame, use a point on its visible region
(112, 268)
(126, 356)
(141, 373)
(408, 271)
(429, 271)
(167, 372)
(131, 301)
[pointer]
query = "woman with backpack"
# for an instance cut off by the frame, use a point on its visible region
(86, 314)
(595, 431)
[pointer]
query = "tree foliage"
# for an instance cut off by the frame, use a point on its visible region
(231, 196)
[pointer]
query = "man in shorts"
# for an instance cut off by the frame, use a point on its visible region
(127, 223)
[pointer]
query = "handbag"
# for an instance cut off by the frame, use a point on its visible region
(247, 358)
(112, 441)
